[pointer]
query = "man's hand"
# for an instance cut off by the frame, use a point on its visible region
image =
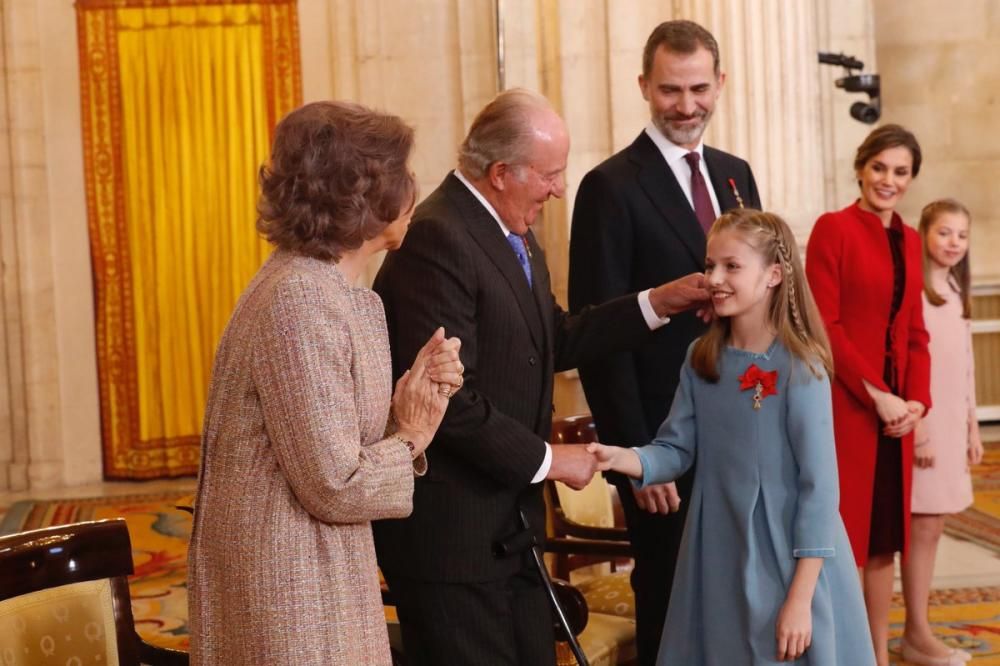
(658, 498)
(682, 294)
(573, 465)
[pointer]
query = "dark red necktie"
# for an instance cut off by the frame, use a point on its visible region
(699, 193)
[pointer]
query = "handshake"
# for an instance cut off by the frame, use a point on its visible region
(576, 464)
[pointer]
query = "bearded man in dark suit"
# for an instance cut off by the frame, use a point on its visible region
(471, 264)
(640, 219)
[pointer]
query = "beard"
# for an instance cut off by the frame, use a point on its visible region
(682, 136)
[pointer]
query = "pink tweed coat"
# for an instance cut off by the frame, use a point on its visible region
(294, 466)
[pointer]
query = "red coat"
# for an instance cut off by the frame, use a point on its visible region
(849, 267)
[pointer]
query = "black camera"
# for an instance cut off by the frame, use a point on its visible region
(870, 84)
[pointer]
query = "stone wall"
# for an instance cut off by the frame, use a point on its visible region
(940, 67)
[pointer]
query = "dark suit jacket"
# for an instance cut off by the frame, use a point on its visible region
(633, 229)
(456, 269)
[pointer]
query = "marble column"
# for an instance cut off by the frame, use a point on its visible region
(49, 424)
(769, 112)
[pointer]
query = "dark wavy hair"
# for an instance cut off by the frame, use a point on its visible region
(337, 176)
(884, 138)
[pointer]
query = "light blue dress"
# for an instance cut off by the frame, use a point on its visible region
(765, 493)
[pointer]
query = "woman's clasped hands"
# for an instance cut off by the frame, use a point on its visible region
(422, 393)
(899, 416)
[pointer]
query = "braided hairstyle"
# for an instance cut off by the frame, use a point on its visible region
(792, 311)
(788, 273)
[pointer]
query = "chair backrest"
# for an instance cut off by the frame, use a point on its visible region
(64, 596)
(577, 429)
(591, 506)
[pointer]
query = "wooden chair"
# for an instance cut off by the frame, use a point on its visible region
(64, 598)
(588, 528)
(587, 525)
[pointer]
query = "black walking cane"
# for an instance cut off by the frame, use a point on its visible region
(518, 543)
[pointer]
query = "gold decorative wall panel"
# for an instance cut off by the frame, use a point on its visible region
(986, 347)
(179, 99)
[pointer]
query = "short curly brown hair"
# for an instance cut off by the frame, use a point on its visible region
(337, 176)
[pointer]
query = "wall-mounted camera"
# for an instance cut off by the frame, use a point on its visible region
(857, 83)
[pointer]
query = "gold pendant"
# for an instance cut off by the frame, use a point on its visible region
(757, 397)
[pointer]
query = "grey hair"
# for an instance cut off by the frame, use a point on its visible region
(501, 132)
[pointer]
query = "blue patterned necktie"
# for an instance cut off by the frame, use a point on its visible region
(519, 245)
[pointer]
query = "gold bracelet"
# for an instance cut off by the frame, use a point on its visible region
(409, 445)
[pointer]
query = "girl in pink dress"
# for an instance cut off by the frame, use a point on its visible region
(947, 439)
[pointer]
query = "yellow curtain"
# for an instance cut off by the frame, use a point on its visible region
(179, 101)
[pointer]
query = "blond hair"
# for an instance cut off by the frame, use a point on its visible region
(792, 312)
(961, 272)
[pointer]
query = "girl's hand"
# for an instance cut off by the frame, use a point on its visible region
(606, 455)
(975, 451)
(923, 457)
(923, 452)
(616, 459)
(794, 629)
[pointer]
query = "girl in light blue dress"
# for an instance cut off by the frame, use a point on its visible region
(765, 572)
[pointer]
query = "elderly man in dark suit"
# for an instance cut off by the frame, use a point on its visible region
(471, 264)
(640, 219)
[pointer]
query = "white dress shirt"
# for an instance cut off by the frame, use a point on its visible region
(674, 156)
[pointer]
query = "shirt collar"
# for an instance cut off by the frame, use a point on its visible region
(671, 152)
(486, 204)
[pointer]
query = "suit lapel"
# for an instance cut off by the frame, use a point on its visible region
(719, 175)
(658, 182)
(487, 234)
(540, 287)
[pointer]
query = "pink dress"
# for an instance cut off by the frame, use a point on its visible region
(950, 427)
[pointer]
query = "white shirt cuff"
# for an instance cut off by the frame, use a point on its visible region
(649, 314)
(543, 471)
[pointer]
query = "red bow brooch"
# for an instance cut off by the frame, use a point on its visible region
(763, 383)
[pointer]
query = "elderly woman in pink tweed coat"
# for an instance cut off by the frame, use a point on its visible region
(296, 459)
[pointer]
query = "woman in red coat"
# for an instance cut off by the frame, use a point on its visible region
(864, 267)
